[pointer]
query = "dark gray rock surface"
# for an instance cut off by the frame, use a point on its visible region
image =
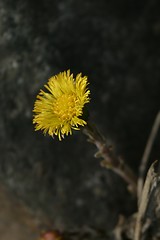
(117, 45)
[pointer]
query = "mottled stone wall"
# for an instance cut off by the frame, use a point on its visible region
(116, 44)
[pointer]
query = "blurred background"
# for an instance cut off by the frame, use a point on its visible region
(49, 184)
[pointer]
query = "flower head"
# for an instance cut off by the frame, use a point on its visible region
(60, 110)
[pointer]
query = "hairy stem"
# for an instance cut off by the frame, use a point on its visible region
(110, 159)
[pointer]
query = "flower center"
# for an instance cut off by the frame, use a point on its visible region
(65, 107)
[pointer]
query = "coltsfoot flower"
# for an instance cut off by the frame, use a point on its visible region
(60, 110)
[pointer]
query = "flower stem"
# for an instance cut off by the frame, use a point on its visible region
(110, 159)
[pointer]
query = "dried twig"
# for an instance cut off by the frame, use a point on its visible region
(149, 211)
(146, 155)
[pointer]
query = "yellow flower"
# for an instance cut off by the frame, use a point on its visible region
(60, 110)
